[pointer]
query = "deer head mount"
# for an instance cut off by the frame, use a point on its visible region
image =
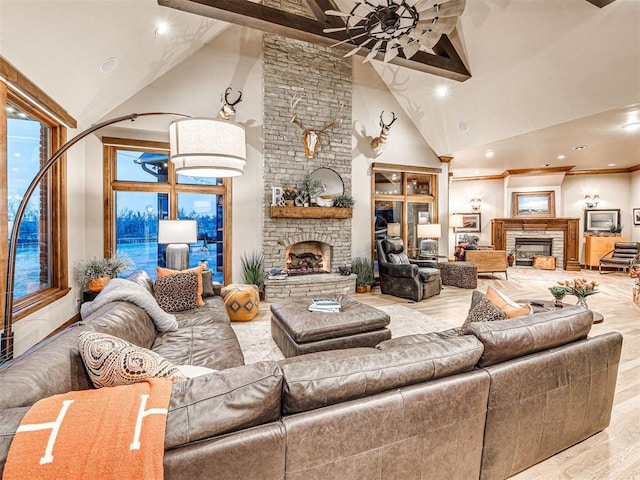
(311, 136)
(228, 107)
(378, 143)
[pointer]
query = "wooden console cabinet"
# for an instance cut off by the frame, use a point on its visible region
(596, 247)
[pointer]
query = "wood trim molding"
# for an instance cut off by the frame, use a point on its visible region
(4, 215)
(529, 171)
(567, 171)
(445, 159)
(444, 62)
(142, 144)
(392, 167)
(23, 86)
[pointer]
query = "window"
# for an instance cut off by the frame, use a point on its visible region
(403, 197)
(41, 266)
(144, 188)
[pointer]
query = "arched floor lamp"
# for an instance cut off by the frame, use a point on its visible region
(200, 147)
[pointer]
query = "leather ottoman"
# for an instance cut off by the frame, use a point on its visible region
(297, 331)
(459, 274)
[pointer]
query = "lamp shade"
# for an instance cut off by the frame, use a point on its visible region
(177, 231)
(456, 220)
(429, 230)
(206, 147)
(393, 229)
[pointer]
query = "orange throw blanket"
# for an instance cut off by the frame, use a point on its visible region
(109, 433)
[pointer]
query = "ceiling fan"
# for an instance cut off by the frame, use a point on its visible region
(386, 26)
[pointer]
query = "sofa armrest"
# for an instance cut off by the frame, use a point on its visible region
(398, 270)
(223, 402)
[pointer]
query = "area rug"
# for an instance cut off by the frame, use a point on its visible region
(257, 344)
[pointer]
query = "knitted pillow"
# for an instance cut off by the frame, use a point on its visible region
(163, 272)
(111, 361)
(177, 292)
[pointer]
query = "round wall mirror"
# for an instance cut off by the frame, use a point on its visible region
(332, 184)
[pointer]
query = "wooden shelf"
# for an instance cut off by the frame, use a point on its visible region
(311, 212)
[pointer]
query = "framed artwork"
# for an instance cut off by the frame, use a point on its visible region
(601, 220)
(636, 216)
(470, 223)
(533, 204)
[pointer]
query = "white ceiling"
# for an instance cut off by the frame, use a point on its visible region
(547, 75)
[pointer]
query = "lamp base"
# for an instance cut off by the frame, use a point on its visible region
(428, 248)
(177, 256)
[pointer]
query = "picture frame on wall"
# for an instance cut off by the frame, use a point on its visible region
(470, 223)
(533, 204)
(601, 220)
(636, 216)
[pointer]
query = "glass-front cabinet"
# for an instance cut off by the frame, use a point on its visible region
(403, 197)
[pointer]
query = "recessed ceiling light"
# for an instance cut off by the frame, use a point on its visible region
(489, 154)
(463, 126)
(547, 164)
(632, 127)
(161, 28)
(442, 92)
(579, 147)
(561, 157)
(611, 164)
(109, 65)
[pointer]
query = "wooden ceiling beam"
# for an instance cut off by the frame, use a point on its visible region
(445, 63)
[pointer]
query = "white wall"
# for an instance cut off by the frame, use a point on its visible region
(634, 186)
(405, 146)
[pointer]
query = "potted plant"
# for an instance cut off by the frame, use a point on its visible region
(343, 201)
(253, 270)
(310, 188)
(363, 270)
(93, 273)
(289, 194)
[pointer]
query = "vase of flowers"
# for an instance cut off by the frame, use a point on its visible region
(289, 194)
(581, 288)
(634, 272)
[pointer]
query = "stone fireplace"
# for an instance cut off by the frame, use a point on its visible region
(307, 257)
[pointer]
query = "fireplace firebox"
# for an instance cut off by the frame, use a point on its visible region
(309, 257)
(527, 248)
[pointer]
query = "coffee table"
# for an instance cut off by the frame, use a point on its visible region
(548, 305)
(297, 331)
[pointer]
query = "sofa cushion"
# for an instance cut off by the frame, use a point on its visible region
(393, 245)
(214, 346)
(111, 361)
(177, 292)
(143, 279)
(53, 366)
(124, 320)
(516, 337)
(214, 311)
(334, 378)
(163, 272)
(223, 402)
(398, 258)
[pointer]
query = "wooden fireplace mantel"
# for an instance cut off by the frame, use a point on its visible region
(570, 227)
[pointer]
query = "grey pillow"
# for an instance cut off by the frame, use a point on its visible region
(400, 258)
(207, 283)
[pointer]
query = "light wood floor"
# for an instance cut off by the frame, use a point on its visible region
(611, 454)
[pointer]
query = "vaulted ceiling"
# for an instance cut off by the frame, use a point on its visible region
(546, 75)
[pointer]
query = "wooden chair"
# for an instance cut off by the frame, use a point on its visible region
(623, 255)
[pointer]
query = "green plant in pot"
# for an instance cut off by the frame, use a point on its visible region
(363, 270)
(253, 270)
(343, 201)
(311, 187)
(93, 273)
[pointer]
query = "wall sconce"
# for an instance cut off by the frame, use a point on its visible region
(476, 203)
(591, 201)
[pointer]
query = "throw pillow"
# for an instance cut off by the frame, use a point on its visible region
(177, 292)
(163, 272)
(400, 258)
(508, 306)
(111, 361)
(207, 283)
(482, 311)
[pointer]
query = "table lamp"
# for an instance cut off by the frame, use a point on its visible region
(428, 232)
(177, 234)
(393, 229)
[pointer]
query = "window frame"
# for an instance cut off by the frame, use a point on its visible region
(172, 188)
(58, 252)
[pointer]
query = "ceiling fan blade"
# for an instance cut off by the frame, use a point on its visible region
(355, 50)
(403, 41)
(454, 8)
(373, 52)
(444, 25)
(336, 13)
(332, 30)
(429, 39)
(411, 49)
(349, 39)
(390, 54)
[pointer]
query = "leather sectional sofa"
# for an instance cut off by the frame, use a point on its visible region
(483, 405)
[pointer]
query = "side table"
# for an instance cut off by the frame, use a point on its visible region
(548, 305)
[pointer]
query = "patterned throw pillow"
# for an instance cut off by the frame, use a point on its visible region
(483, 311)
(111, 361)
(163, 272)
(177, 292)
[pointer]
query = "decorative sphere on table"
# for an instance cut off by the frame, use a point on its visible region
(558, 293)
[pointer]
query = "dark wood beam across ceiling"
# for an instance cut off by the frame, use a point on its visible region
(445, 62)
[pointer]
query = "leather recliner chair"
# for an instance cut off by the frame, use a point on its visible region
(402, 277)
